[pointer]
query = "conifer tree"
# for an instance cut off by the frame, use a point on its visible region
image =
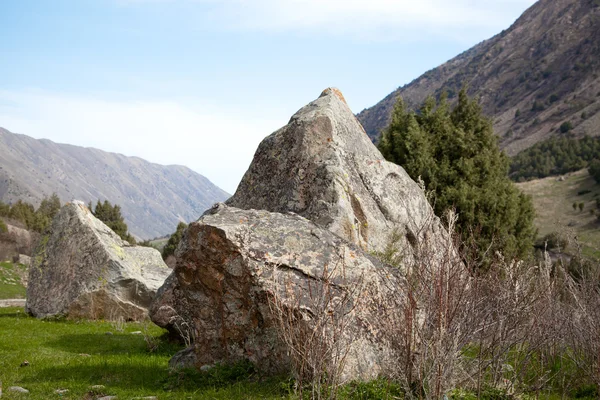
(456, 154)
(111, 216)
(174, 240)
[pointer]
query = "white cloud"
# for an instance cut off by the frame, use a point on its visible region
(218, 144)
(364, 19)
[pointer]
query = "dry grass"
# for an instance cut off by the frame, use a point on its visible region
(553, 200)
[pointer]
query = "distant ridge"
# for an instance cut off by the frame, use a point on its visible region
(153, 197)
(542, 72)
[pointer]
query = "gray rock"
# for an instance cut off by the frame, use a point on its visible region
(82, 269)
(24, 260)
(232, 263)
(323, 166)
(17, 389)
(107, 398)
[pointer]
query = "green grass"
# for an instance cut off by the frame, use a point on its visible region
(10, 281)
(553, 200)
(159, 244)
(75, 355)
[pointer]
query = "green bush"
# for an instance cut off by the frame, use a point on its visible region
(174, 240)
(456, 154)
(566, 127)
(594, 170)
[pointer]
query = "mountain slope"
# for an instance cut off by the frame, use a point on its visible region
(153, 197)
(540, 73)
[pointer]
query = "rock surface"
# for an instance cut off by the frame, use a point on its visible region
(231, 266)
(24, 260)
(82, 269)
(323, 166)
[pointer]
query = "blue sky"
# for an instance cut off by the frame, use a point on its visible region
(201, 82)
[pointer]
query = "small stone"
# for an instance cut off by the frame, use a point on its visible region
(18, 389)
(25, 364)
(136, 333)
(61, 391)
(107, 398)
(109, 333)
(97, 387)
(84, 355)
(206, 367)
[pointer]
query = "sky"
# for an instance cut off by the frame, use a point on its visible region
(201, 82)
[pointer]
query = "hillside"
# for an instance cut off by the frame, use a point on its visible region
(531, 78)
(553, 198)
(153, 197)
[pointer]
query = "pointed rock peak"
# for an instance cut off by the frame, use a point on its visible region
(333, 91)
(322, 166)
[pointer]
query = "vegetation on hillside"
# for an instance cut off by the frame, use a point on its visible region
(111, 216)
(174, 240)
(568, 208)
(456, 154)
(555, 156)
(33, 219)
(11, 280)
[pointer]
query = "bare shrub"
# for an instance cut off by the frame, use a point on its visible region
(460, 326)
(312, 321)
(187, 331)
(428, 329)
(583, 334)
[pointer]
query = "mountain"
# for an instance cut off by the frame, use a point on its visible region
(153, 197)
(540, 75)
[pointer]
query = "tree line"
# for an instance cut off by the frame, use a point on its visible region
(556, 156)
(38, 220)
(33, 219)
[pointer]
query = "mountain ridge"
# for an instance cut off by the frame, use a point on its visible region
(531, 78)
(153, 197)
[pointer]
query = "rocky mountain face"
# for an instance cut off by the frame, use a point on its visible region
(153, 197)
(540, 74)
(290, 252)
(82, 269)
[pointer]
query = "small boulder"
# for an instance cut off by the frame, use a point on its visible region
(82, 269)
(24, 260)
(18, 389)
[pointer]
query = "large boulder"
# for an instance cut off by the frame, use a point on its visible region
(323, 166)
(82, 269)
(241, 274)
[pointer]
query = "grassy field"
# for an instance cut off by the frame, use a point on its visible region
(11, 286)
(553, 199)
(159, 244)
(78, 355)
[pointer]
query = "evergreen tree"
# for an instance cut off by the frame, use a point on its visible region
(43, 216)
(111, 216)
(174, 240)
(456, 154)
(595, 170)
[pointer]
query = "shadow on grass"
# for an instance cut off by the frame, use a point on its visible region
(137, 376)
(125, 376)
(116, 344)
(14, 314)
